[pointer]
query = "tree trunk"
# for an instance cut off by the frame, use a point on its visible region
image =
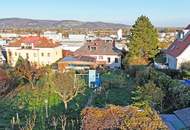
(65, 104)
(63, 122)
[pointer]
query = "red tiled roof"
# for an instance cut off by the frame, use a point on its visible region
(3, 75)
(39, 42)
(178, 47)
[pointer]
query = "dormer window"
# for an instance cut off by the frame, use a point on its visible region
(26, 45)
(93, 48)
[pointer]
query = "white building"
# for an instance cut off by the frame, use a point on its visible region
(73, 42)
(77, 37)
(3, 42)
(53, 35)
(179, 51)
(9, 35)
(38, 50)
(119, 34)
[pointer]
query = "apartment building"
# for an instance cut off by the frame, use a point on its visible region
(38, 50)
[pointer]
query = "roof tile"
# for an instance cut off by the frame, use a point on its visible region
(38, 42)
(102, 48)
(178, 46)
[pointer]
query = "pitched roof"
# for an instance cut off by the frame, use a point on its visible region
(178, 46)
(188, 27)
(38, 42)
(102, 48)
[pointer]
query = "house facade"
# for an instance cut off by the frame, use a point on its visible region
(38, 50)
(105, 52)
(179, 51)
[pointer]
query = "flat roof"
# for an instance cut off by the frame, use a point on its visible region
(78, 59)
(69, 58)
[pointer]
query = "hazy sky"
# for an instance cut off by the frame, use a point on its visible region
(161, 12)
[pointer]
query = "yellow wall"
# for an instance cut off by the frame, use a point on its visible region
(35, 55)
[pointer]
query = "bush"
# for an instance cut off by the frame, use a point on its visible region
(174, 74)
(185, 66)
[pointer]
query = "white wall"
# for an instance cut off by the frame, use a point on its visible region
(7, 35)
(112, 63)
(184, 57)
(175, 63)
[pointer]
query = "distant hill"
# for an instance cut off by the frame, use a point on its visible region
(32, 23)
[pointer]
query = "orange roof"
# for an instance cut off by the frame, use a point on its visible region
(38, 42)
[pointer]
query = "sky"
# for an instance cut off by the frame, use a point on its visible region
(161, 12)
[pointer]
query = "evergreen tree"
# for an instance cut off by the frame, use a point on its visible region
(143, 44)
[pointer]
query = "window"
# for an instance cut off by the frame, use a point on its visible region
(15, 54)
(101, 57)
(93, 48)
(88, 47)
(26, 45)
(48, 54)
(116, 60)
(42, 54)
(34, 54)
(109, 60)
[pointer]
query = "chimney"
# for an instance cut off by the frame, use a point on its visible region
(180, 35)
(113, 44)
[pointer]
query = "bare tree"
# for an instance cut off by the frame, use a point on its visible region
(63, 120)
(30, 123)
(54, 122)
(68, 86)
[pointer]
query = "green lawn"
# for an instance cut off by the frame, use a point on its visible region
(117, 88)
